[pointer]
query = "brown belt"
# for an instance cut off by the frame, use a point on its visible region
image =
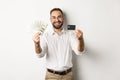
(60, 72)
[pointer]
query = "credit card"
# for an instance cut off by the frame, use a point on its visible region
(71, 27)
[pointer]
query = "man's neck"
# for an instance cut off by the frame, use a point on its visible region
(58, 31)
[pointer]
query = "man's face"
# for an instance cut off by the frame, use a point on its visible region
(57, 19)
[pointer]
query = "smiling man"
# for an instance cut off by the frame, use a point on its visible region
(58, 46)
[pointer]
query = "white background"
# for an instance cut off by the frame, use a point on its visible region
(98, 19)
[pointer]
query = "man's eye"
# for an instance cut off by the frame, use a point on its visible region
(59, 17)
(53, 17)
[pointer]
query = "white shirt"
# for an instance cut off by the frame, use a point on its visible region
(59, 49)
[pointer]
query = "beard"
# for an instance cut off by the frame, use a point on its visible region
(57, 25)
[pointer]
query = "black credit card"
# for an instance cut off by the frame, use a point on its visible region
(71, 27)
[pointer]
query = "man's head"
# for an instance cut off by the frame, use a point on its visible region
(56, 18)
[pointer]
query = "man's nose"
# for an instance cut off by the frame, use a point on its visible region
(56, 19)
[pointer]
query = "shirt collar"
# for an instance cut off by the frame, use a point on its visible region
(53, 32)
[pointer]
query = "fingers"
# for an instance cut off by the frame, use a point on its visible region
(79, 33)
(36, 37)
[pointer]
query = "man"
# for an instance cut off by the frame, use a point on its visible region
(58, 46)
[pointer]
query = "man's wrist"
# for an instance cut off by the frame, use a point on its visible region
(80, 38)
(36, 43)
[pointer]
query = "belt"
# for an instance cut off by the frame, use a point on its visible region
(60, 72)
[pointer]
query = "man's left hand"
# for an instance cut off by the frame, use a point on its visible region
(79, 34)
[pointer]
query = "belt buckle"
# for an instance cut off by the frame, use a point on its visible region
(62, 73)
(66, 71)
(53, 72)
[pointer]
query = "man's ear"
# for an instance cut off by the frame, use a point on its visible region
(63, 18)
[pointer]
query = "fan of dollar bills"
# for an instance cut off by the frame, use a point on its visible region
(39, 26)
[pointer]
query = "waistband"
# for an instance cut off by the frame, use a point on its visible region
(60, 72)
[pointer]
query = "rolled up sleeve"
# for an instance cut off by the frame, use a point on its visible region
(74, 45)
(43, 45)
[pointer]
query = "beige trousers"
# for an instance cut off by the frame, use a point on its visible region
(52, 76)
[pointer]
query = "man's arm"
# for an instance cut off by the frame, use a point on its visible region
(38, 48)
(79, 35)
(36, 39)
(81, 44)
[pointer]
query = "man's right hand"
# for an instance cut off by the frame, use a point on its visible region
(36, 37)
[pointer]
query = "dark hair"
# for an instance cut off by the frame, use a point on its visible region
(56, 9)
